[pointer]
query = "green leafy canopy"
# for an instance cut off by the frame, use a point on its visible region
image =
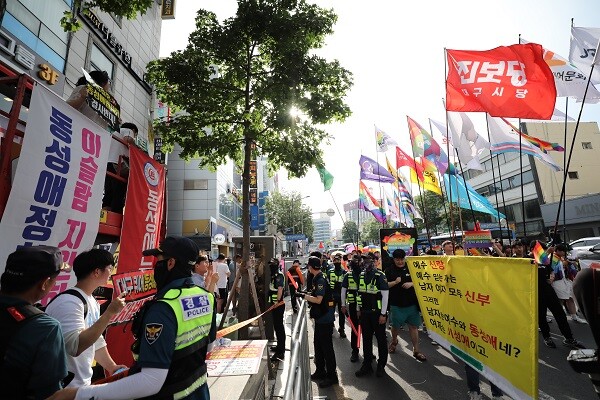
(237, 82)
(123, 8)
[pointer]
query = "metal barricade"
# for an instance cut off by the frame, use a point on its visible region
(298, 385)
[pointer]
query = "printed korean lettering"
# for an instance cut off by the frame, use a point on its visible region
(90, 142)
(58, 158)
(39, 224)
(499, 91)
(50, 188)
(521, 93)
(73, 240)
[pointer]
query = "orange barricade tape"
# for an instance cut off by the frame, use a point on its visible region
(233, 328)
(291, 279)
(356, 331)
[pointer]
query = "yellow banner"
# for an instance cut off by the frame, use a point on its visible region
(430, 181)
(476, 308)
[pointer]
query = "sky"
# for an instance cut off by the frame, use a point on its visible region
(395, 51)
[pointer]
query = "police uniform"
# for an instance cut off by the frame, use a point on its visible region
(335, 276)
(174, 333)
(350, 283)
(277, 282)
(323, 337)
(372, 281)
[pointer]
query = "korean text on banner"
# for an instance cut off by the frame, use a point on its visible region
(475, 308)
(143, 214)
(61, 170)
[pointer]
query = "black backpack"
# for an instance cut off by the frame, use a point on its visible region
(72, 292)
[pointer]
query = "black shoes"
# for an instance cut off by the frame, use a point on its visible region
(573, 343)
(354, 356)
(363, 371)
(342, 334)
(550, 343)
(328, 382)
(380, 372)
(316, 376)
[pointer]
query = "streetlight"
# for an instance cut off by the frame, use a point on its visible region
(293, 218)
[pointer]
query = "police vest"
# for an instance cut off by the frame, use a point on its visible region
(369, 294)
(193, 307)
(351, 296)
(335, 280)
(273, 295)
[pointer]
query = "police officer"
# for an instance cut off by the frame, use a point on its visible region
(373, 295)
(349, 294)
(32, 350)
(322, 311)
(335, 275)
(275, 296)
(172, 334)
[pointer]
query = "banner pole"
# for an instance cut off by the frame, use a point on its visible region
(487, 123)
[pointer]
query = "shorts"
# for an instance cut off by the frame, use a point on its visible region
(405, 315)
(563, 289)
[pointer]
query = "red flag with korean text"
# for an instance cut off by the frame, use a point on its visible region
(508, 81)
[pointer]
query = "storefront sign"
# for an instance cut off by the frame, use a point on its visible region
(168, 9)
(102, 31)
(26, 60)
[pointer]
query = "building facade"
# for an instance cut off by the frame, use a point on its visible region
(322, 229)
(353, 213)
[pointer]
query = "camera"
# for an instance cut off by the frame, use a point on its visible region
(584, 361)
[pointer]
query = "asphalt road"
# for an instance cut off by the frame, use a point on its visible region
(443, 377)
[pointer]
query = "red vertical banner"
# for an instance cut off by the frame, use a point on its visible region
(141, 230)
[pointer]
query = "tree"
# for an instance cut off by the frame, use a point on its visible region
(122, 8)
(433, 213)
(350, 232)
(253, 85)
(288, 214)
(370, 230)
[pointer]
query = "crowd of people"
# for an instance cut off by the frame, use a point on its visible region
(364, 293)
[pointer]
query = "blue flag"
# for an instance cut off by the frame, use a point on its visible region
(459, 196)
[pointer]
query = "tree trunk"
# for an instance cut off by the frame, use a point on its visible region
(244, 299)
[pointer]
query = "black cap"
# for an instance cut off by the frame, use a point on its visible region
(399, 253)
(33, 262)
(337, 257)
(314, 262)
(178, 247)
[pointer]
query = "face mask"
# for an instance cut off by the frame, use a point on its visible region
(161, 272)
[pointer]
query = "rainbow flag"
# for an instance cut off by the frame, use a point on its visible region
(539, 143)
(540, 255)
(369, 203)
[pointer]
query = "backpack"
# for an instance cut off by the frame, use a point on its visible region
(72, 292)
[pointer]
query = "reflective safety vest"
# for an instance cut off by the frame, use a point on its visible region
(273, 296)
(193, 307)
(335, 280)
(351, 292)
(369, 294)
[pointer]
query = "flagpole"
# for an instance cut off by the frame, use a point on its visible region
(562, 192)
(439, 175)
(339, 212)
(503, 202)
(487, 123)
(448, 147)
(421, 194)
(521, 172)
(564, 230)
(379, 182)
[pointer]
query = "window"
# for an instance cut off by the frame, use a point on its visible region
(532, 209)
(586, 145)
(195, 184)
(99, 62)
(573, 175)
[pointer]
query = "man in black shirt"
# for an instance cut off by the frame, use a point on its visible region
(404, 306)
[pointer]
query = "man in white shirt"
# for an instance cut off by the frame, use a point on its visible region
(222, 269)
(79, 315)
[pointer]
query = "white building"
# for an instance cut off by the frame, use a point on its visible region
(322, 229)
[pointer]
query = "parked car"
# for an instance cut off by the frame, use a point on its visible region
(590, 257)
(578, 245)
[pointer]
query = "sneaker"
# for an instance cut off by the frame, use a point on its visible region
(475, 396)
(363, 371)
(328, 382)
(578, 319)
(342, 335)
(573, 343)
(380, 372)
(318, 376)
(434, 343)
(548, 319)
(550, 343)
(354, 356)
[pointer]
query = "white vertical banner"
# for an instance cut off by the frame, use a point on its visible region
(57, 192)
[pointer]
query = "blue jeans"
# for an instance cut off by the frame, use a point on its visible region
(473, 381)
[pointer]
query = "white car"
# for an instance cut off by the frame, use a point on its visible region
(582, 244)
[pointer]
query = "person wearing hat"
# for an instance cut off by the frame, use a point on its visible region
(172, 334)
(349, 295)
(335, 276)
(79, 315)
(32, 350)
(322, 311)
(373, 293)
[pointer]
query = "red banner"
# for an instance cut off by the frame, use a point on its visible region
(508, 81)
(142, 225)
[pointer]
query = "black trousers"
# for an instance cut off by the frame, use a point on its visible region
(354, 318)
(547, 299)
(114, 191)
(341, 317)
(324, 354)
(279, 329)
(369, 322)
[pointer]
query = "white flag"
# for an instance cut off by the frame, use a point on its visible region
(384, 141)
(468, 143)
(569, 80)
(503, 139)
(442, 138)
(557, 116)
(582, 53)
